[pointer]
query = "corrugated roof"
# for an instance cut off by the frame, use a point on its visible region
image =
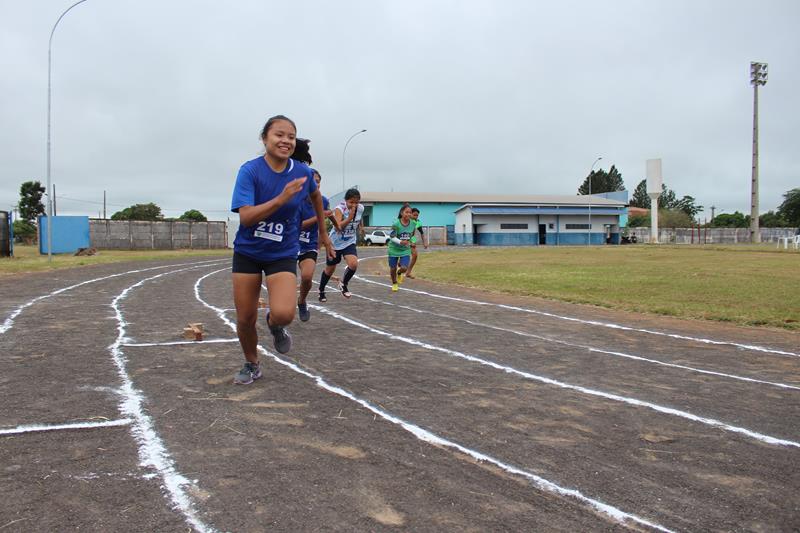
(462, 198)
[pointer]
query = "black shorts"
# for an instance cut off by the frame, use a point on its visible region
(311, 254)
(243, 264)
(350, 250)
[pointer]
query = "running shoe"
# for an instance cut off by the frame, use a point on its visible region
(249, 373)
(345, 292)
(280, 337)
(322, 297)
(303, 312)
(395, 288)
(400, 278)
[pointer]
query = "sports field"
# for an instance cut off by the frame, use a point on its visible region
(438, 408)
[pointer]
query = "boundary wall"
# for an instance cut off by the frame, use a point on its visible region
(106, 234)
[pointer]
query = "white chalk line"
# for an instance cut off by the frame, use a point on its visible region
(9, 322)
(589, 348)
(152, 451)
(35, 428)
(430, 437)
(592, 322)
(584, 390)
(176, 343)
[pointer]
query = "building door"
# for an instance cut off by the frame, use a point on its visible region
(542, 233)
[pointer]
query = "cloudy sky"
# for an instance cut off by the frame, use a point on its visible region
(162, 100)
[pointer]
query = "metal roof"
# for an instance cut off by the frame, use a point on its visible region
(546, 210)
(474, 199)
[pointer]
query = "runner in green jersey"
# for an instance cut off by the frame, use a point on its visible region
(417, 227)
(399, 246)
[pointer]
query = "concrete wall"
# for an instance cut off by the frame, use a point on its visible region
(711, 235)
(160, 235)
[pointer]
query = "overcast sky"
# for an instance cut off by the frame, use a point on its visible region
(162, 100)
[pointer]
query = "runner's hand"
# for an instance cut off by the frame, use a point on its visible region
(292, 188)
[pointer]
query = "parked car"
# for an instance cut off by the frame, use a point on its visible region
(378, 236)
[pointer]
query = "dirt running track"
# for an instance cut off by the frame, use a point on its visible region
(392, 412)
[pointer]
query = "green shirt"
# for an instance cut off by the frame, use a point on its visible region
(404, 233)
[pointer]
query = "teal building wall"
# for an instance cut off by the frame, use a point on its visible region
(430, 214)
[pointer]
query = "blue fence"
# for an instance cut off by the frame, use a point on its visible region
(69, 234)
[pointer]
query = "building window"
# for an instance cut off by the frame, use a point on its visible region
(513, 226)
(578, 226)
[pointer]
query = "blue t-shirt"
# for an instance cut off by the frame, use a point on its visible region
(309, 237)
(275, 237)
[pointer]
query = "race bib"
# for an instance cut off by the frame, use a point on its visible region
(305, 236)
(272, 231)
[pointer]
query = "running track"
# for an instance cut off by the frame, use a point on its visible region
(432, 409)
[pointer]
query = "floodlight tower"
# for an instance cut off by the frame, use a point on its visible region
(758, 76)
(654, 191)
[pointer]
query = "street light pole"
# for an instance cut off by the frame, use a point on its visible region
(49, 191)
(758, 76)
(343, 154)
(590, 199)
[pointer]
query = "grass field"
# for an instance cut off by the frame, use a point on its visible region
(749, 285)
(754, 285)
(28, 259)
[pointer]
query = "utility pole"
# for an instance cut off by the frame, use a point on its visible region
(104, 204)
(713, 208)
(758, 76)
(55, 211)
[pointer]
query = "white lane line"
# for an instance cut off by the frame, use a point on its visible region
(175, 343)
(432, 438)
(34, 428)
(152, 451)
(584, 390)
(582, 346)
(592, 322)
(9, 322)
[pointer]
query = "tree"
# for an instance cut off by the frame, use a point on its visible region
(772, 220)
(686, 204)
(603, 181)
(730, 220)
(30, 201)
(674, 218)
(193, 215)
(639, 221)
(24, 231)
(640, 198)
(139, 212)
(667, 200)
(789, 210)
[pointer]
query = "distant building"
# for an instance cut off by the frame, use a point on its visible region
(488, 219)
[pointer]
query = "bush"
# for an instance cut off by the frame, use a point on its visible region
(25, 232)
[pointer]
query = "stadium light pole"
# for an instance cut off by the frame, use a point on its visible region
(591, 169)
(49, 90)
(758, 76)
(345, 150)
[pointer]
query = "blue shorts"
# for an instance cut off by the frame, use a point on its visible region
(404, 260)
(350, 250)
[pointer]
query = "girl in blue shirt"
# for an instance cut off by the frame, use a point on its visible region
(268, 196)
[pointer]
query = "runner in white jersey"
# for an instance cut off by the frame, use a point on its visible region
(348, 215)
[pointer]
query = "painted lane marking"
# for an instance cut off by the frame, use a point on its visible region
(589, 348)
(432, 438)
(9, 322)
(175, 343)
(33, 428)
(152, 451)
(584, 390)
(592, 322)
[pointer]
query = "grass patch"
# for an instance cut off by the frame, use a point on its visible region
(755, 285)
(28, 259)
